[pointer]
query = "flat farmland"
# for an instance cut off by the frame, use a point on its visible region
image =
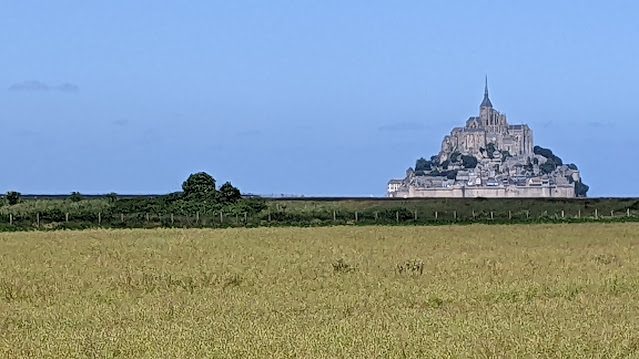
(562, 290)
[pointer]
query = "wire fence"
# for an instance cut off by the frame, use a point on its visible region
(396, 216)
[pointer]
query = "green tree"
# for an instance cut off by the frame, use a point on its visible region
(13, 197)
(75, 197)
(228, 193)
(112, 197)
(423, 165)
(469, 161)
(581, 189)
(199, 184)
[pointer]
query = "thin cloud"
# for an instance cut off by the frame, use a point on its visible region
(402, 127)
(252, 132)
(39, 86)
(601, 124)
(121, 122)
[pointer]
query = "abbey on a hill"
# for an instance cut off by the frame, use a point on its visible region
(490, 158)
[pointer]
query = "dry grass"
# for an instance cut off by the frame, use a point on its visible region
(463, 291)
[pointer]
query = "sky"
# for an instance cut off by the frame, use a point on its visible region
(303, 97)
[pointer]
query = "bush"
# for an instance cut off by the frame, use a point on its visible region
(13, 197)
(469, 161)
(423, 165)
(75, 197)
(199, 184)
(229, 194)
(581, 189)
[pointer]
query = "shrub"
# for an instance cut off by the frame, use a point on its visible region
(199, 184)
(469, 161)
(13, 197)
(75, 197)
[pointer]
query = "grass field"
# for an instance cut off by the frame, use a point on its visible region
(332, 292)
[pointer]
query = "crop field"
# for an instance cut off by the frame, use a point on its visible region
(549, 291)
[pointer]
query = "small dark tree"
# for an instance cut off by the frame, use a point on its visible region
(548, 167)
(469, 161)
(228, 193)
(581, 189)
(199, 184)
(75, 197)
(423, 165)
(13, 197)
(112, 197)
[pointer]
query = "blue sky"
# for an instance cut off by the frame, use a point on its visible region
(304, 97)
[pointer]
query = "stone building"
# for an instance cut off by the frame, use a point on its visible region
(490, 126)
(489, 157)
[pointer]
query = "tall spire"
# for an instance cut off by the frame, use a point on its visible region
(486, 102)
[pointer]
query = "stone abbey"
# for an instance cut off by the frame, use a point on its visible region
(489, 157)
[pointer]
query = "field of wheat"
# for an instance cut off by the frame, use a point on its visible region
(565, 290)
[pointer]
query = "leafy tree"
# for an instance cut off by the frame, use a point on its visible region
(112, 197)
(545, 152)
(423, 165)
(505, 154)
(548, 167)
(13, 197)
(469, 161)
(199, 184)
(229, 194)
(75, 197)
(581, 189)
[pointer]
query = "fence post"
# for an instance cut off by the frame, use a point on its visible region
(147, 217)
(356, 216)
(510, 215)
(473, 214)
(222, 217)
(436, 215)
(66, 217)
(455, 215)
(376, 216)
(172, 219)
(579, 214)
(612, 213)
(99, 218)
(269, 216)
(415, 215)
(492, 215)
(397, 216)
(527, 214)
(38, 218)
(10, 219)
(627, 212)
(245, 217)
(197, 217)
(334, 216)
(563, 214)
(596, 213)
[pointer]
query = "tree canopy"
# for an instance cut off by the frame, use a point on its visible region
(199, 184)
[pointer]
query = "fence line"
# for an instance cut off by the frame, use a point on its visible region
(52, 220)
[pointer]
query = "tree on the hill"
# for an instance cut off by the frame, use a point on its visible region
(228, 193)
(199, 184)
(581, 189)
(469, 161)
(13, 197)
(423, 165)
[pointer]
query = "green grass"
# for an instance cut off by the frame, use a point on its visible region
(334, 292)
